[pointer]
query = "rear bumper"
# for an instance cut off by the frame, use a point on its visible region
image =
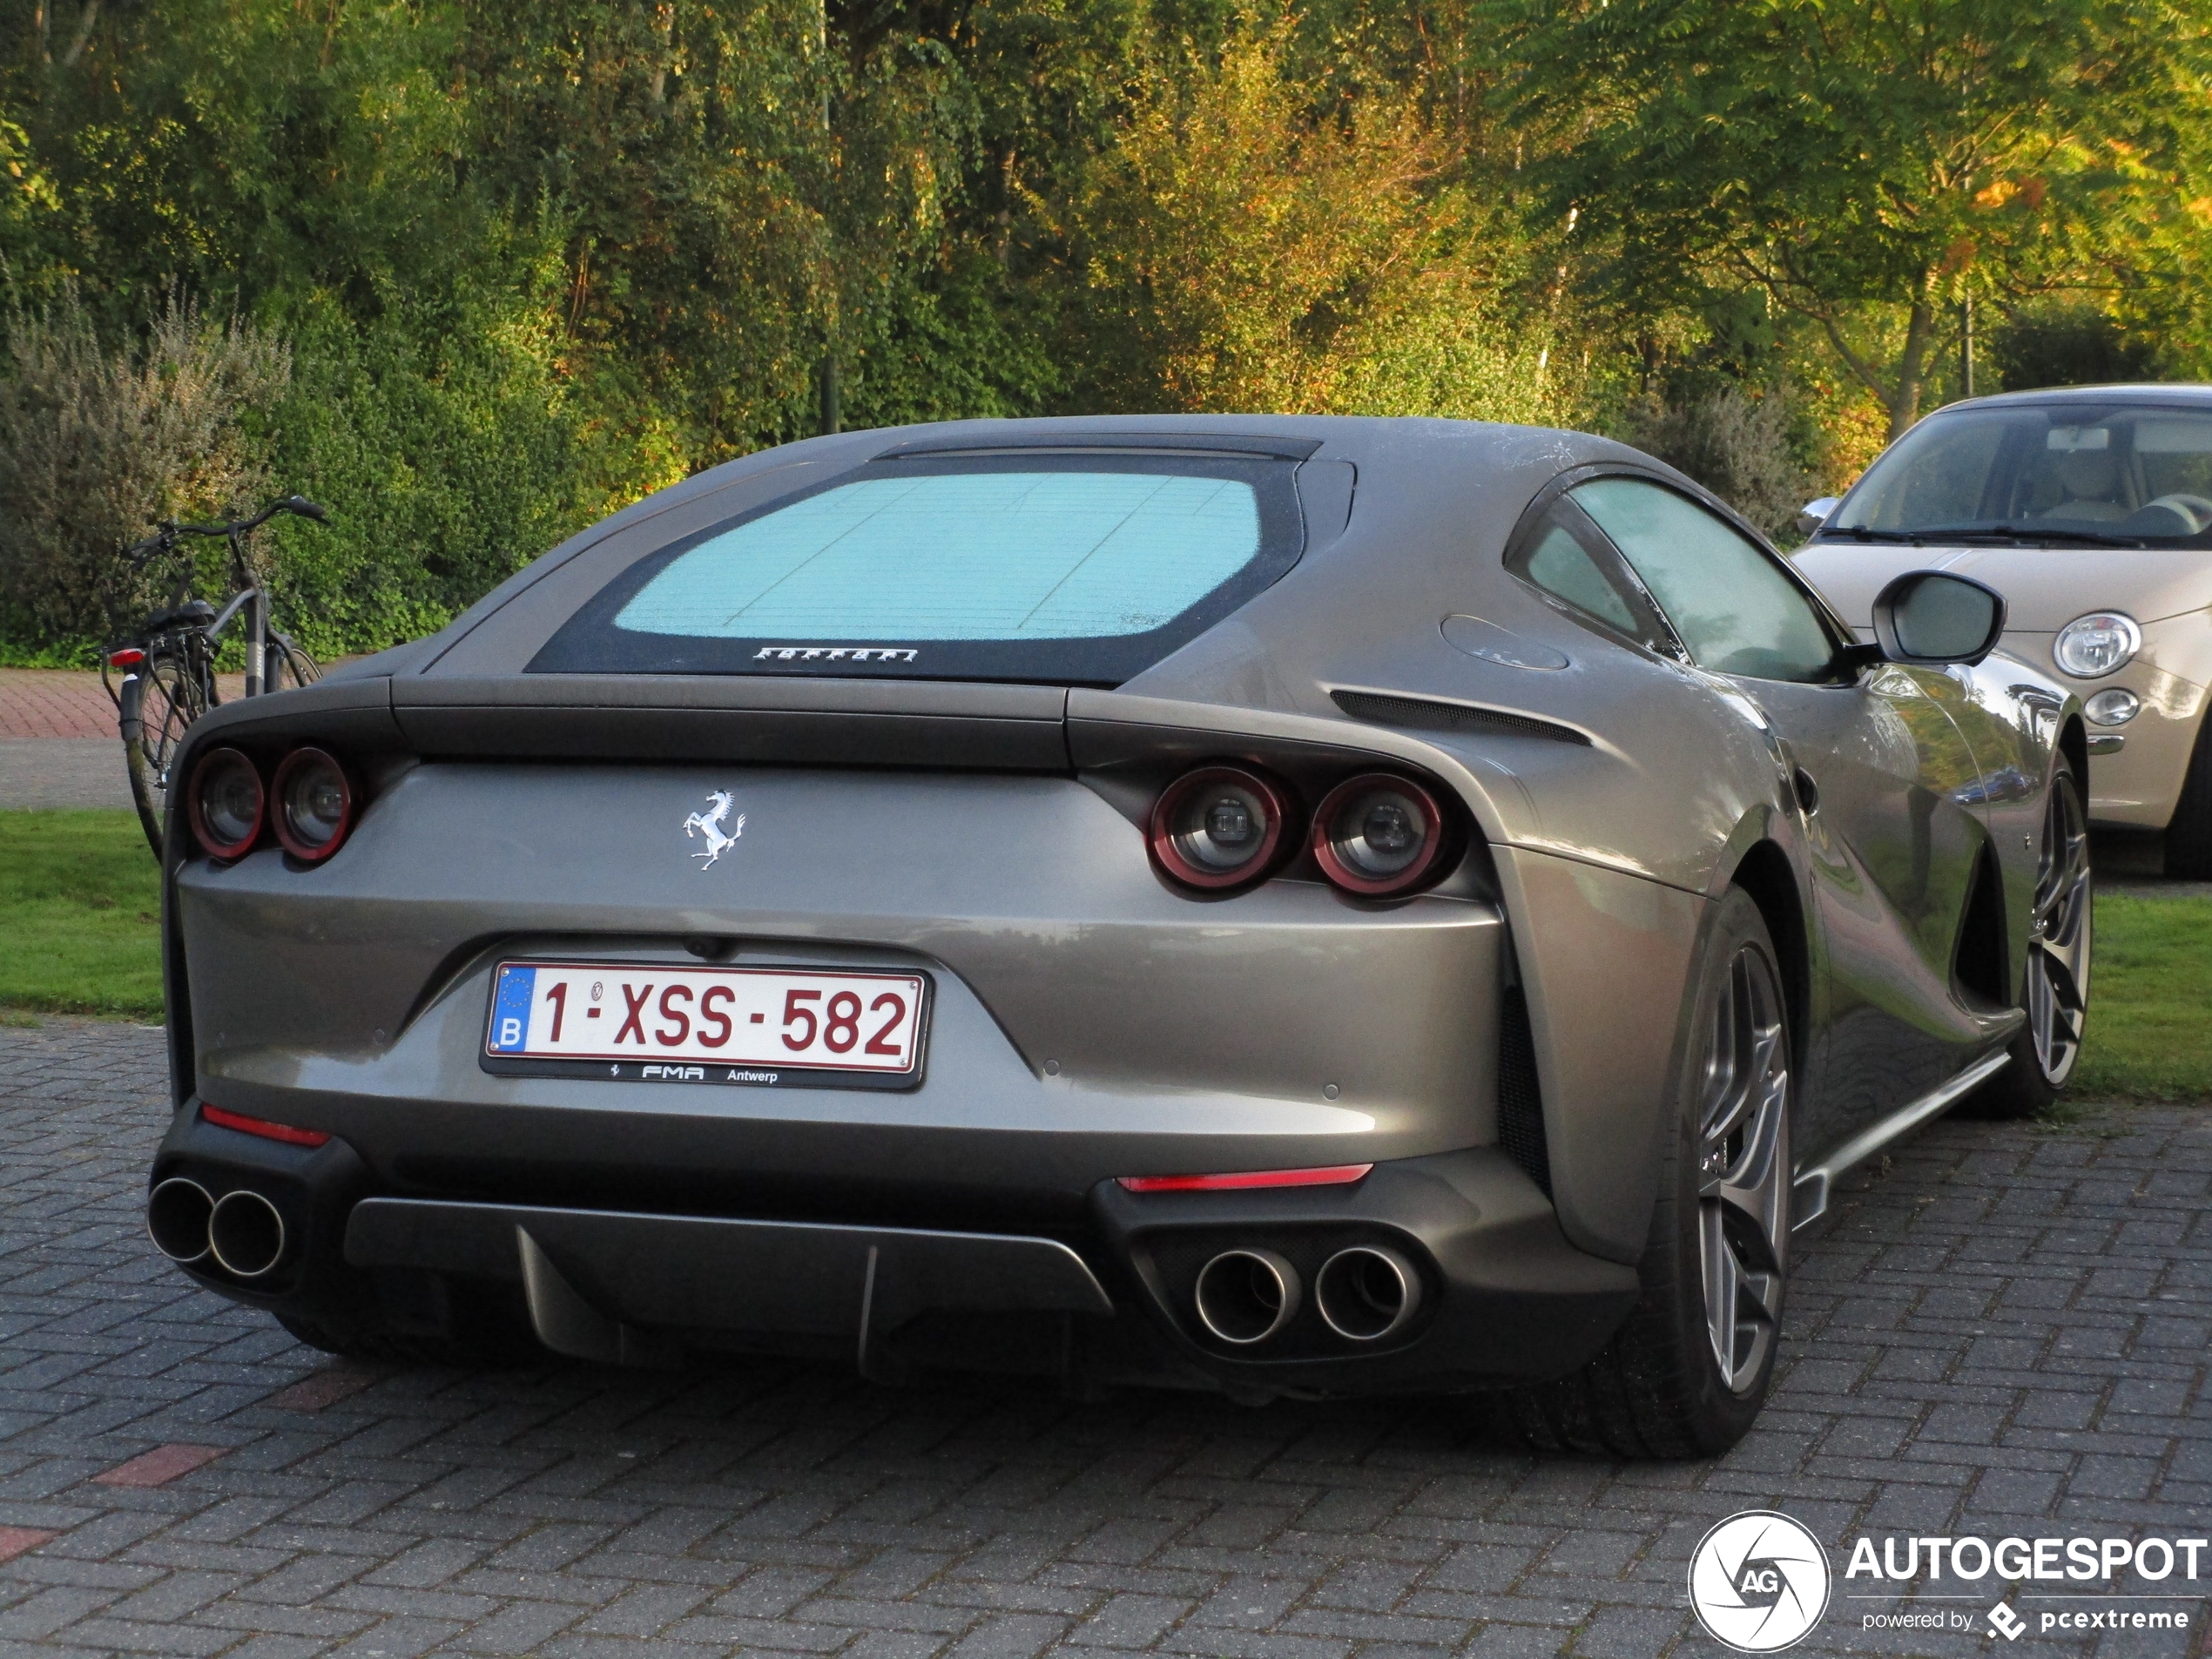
(1108, 1297)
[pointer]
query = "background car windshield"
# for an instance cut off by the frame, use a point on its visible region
(2130, 472)
(1031, 567)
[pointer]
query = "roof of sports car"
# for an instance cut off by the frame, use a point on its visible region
(1406, 521)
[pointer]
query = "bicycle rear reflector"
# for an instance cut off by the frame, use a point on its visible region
(314, 805)
(225, 804)
(126, 656)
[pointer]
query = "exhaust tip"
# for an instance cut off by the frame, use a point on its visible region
(246, 1234)
(176, 1213)
(1364, 1293)
(1246, 1296)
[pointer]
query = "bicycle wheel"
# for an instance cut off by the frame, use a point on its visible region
(289, 666)
(168, 697)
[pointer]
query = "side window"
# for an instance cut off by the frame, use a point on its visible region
(1569, 559)
(1731, 603)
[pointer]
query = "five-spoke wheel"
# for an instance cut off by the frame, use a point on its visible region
(1743, 1169)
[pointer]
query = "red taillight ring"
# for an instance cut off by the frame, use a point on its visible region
(1170, 856)
(215, 846)
(1341, 874)
(309, 852)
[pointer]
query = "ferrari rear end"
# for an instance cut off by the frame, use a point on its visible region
(764, 927)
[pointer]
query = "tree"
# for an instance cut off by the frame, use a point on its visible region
(1252, 241)
(1838, 152)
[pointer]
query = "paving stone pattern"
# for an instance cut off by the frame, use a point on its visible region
(2002, 1333)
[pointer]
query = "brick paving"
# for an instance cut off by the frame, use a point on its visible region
(2002, 1333)
(54, 703)
(69, 702)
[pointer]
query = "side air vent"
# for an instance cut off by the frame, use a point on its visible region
(1520, 1104)
(1426, 714)
(1978, 964)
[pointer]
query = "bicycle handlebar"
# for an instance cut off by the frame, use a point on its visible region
(165, 538)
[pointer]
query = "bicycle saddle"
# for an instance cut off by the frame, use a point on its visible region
(193, 614)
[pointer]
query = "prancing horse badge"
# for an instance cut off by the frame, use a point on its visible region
(709, 824)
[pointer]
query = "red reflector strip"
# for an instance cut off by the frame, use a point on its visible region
(1336, 1175)
(127, 658)
(262, 1127)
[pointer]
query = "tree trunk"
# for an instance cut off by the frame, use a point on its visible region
(1912, 368)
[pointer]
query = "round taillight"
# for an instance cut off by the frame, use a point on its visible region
(1219, 827)
(225, 804)
(315, 804)
(1377, 835)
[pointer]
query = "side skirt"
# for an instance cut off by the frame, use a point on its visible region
(1808, 1193)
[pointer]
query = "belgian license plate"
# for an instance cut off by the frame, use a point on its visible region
(717, 1025)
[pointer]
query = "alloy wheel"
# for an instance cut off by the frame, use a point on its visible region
(1743, 1169)
(2058, 941)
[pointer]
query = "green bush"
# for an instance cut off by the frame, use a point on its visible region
(1737, 447)
(96, 442)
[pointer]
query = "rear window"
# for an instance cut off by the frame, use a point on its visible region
(1080, 567)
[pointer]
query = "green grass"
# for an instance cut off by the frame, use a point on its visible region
(2150, 1000)
(80, 899)
(78, 902)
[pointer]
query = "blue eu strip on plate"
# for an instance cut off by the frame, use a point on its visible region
(511, 1009)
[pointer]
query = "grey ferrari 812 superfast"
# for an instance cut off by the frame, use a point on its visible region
(1287, 906)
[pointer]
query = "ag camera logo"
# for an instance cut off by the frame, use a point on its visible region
(1758, 1582)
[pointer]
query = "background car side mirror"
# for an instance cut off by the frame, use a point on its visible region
(1932, 618)
(1814, 514)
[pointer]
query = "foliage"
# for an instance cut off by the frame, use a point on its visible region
(1839, 154)
(1247, 251)
(532, 260)
(1738, 448)
(2066, 344)
(80, 906)
(96, 444)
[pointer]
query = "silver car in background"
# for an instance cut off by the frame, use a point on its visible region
(1286, 905)
(2090, 510)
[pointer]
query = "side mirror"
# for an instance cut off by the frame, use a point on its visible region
(1814, 514)
(1932, 618)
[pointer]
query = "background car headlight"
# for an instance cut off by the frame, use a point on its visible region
(315, 804)
(1377, 835)
(1219, 827)
(2112, 707)
(2102, 642)
(225, 804)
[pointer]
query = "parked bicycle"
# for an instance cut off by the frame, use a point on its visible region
(168, 659)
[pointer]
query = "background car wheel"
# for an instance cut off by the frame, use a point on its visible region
(1687, 1374)
(2188, 837)
(2054, 980)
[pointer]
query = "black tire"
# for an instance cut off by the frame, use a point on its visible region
(289, 667)
(2188, 834)
(2055, 971)
(163, 699)
(1658, 1389)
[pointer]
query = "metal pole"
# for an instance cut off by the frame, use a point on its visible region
(1966, 344)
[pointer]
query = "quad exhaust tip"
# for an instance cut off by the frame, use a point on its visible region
(1366, 1293)
(246, 1234)
(177, 1216)
(1246, 1296)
